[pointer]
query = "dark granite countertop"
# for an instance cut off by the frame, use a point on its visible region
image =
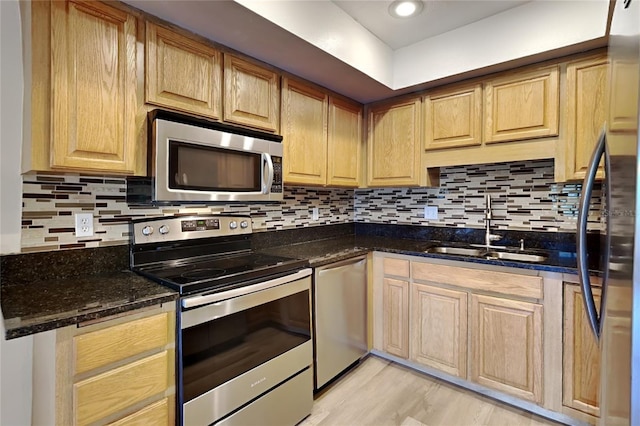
(323, 252)
(43, 291)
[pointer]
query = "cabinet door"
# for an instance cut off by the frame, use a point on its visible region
(506, 346)
(581, 354)
(453, 118)
(182, 73)
(251, 94)
(623, 113)
(93, 72)
(439, 328)
(394, 144)
(395, 317)
(344, 143)
(587, 109)
(304, 132)
(522, 106)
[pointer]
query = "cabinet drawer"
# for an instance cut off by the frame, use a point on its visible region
(475, 279)
(154, 414)
(110, 392)
(103, 347)
(397, 267)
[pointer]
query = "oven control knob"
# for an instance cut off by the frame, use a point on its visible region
(233, 224)
(164, 229)
(244, 224)
(147, 230)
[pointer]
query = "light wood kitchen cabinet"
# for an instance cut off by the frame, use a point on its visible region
(251, 94)
(396, 317)
(453, 117)
(117, 371)
(581, 354)
(623, 112)
(321, 136)
(439, 328)
(522, 105)
(84, 111)
(506, 346)
(304, 131)
(394, 144)
(182, 73)
(344, 150)
(586, 112)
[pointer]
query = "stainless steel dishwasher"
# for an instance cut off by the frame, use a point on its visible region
(340, 317)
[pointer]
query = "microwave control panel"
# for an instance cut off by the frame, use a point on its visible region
(276, 186)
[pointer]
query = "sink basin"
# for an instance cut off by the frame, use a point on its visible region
(460, 251)
(519, 257)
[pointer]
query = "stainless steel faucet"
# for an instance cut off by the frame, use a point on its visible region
(488, 236)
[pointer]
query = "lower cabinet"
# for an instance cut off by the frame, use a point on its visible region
(439, 328)
(581, 355)
(506, 346)
(396, 317)
(120, 371)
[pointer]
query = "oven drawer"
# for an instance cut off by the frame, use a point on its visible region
(114, 390)
(109, 345)
(220, 401)
(285, 405)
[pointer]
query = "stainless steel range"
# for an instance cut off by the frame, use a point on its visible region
(244, 350)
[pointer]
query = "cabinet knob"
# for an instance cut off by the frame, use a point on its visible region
(147, 230)
(164, 229)
(233, 224)
(244, 224)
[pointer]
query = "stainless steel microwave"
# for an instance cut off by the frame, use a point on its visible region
(196, 160)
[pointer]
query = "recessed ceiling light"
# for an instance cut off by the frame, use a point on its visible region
(405, 8)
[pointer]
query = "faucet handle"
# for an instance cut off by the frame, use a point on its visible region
(494, 237)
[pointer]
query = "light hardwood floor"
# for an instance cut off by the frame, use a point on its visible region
(378, 393)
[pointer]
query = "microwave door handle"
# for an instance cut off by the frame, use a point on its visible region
(266, 160)
(581, 236)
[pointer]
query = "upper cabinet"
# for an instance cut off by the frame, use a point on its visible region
(182, 73)
(321, 137)
(83, 97)
(394, 144)
(304, 132)
(522, 106)
(453, 117)
(586, 112)
(251, 94)
(512, 116)
(344, 150)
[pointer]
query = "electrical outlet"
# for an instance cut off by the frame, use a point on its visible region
(314, 213)
(431, 212)
(84, 224)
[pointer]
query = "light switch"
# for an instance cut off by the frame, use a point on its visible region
(431, 212)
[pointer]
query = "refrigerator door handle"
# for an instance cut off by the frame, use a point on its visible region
(581, 236)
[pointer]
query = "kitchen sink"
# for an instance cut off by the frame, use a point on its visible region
(518, 256)
(460, 251)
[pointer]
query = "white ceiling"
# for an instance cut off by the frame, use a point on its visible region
(437, 17)
(355, 48)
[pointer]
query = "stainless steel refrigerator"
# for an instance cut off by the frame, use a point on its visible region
(616, 322)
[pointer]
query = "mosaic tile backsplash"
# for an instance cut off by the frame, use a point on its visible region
(50, 202)
(523, 193)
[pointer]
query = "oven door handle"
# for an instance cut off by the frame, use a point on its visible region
(195, 301)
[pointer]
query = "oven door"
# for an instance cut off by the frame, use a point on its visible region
(236, 349)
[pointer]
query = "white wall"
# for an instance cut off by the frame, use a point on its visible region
(15, 355)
